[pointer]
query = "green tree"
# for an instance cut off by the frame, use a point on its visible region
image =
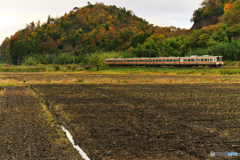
(4, 48)
(96, 60)
(49, 19)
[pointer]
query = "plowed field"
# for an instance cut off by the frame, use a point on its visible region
(25, 133)
(164, 121)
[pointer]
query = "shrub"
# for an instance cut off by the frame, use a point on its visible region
(74, 68)
(78, 69)
(56, 68)
(87, 67)
(69, 67)
(79, 80)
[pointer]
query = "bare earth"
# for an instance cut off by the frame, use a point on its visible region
(24, 131)
(120, 116)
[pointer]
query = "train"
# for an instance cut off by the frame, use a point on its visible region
(205, 60)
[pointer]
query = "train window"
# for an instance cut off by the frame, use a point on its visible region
(211, 59)
(188, 60)
(196, 60)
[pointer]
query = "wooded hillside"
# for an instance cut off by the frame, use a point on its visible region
(98, 27)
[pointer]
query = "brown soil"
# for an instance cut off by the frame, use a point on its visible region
(24, 131)
(169, 121)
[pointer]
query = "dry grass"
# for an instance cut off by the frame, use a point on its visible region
(2, 92)
(131, 79)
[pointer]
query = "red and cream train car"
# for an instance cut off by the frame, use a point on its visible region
(167, 61)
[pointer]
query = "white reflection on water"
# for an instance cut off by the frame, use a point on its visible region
(81, 152)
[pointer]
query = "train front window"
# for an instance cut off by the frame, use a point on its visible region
(217, 58)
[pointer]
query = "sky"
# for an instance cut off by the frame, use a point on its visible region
(15, 14)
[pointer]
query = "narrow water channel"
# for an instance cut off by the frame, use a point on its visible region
(81, 152)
